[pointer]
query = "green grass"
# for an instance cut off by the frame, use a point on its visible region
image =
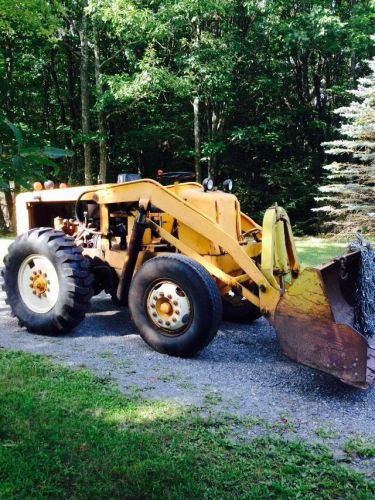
(315, 251)
(358, 446)
(68, 434)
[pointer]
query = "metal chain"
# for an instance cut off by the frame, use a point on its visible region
(364, 308)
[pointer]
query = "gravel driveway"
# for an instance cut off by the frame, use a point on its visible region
(241, 373)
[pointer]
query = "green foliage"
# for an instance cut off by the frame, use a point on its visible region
(22, 164)
(360, 447)
(349, 192)
(68, 434)
(267, 75)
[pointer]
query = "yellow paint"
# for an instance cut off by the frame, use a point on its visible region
(207, 226)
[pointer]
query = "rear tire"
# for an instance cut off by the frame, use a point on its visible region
(47, 281)
(175, 305)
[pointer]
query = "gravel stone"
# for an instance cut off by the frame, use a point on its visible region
(241, 374)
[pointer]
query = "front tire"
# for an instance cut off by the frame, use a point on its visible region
(175, 305)
(47, 281)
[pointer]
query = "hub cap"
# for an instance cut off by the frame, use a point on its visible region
(38, 283)
(169, 307)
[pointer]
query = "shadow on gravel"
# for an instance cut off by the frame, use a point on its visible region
(254, 346)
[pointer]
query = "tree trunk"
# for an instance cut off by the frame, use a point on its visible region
(3, 224)
(101, 117)
(85, 104)
(72, 107)
(10, 208)
(353, 58)
(56, 82)
(213, 157)
(197, 141)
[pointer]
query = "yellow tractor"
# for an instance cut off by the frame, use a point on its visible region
(182, 257)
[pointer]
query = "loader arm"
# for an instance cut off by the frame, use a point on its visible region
(147, 192)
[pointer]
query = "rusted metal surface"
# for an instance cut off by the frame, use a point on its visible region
(314, 324)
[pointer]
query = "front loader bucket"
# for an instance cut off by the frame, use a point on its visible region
(314, 323)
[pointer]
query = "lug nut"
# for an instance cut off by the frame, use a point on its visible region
(177, 312)
(160, 321)
(168, 323)
(169, 296)
(174, 319)
(34, 292)
(31, 285)
(154, 314)
(175, 303)
(31, 278)
(153, 306)
(161, 294)
(155, 297)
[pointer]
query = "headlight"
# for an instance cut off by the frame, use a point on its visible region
(208, 184)
(49, 184)
(228, 185)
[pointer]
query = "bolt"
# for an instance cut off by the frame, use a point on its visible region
(262, 288)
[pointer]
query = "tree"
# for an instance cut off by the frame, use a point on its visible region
(237, 88)
(349, 193)
(85, 96)
(20, 164)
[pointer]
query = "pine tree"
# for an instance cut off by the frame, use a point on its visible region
(349, 194)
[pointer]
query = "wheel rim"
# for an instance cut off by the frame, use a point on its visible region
(168, 307)
(38, 283)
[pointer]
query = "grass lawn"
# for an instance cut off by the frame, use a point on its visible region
(68, 434)
(314, 251)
